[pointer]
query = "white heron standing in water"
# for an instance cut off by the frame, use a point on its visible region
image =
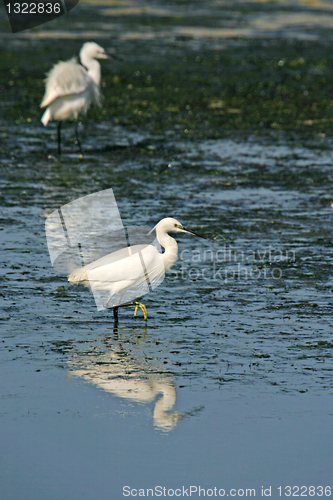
(71, 87)
(132, 267)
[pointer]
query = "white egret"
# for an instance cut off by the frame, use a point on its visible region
(71, 87)
(131, 268)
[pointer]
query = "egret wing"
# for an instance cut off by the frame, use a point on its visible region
(133, 265)
(144, 271)
(107, 268)
(127, 274)
(129, 269)
(65, 78)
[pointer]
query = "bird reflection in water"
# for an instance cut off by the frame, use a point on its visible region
(116, 370)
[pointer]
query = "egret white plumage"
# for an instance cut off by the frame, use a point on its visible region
(71, 87)
(130, 268)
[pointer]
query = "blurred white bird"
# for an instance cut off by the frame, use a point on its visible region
(72, 87)
(131, 268)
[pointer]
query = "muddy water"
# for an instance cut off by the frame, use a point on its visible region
(219, 116)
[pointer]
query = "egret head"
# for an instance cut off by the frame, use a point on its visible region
(92, 50)
(171, 225)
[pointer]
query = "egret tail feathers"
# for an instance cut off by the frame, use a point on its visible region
(46, 117)
(78, 276)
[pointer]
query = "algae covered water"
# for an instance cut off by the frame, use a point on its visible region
(219, 115)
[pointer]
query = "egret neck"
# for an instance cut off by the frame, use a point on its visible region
(171, 248)
(93, 67)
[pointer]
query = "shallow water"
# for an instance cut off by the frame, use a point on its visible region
(229, 383)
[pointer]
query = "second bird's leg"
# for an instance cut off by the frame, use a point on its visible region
(77, 138)
(59, 138)
(115, 314)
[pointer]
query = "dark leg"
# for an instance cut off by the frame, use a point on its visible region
(59, 138)
(77, 138)
(136, 304)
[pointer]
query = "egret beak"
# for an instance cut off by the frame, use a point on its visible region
(103, 55)
(183, 229)
(111, 54)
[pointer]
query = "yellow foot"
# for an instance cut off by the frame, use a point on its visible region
(143, 309)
